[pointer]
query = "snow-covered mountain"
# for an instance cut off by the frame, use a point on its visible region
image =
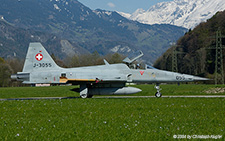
(185, 13)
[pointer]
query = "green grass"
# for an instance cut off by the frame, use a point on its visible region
(183, 89)
(109, 119)
(67, 91)
(54, 91)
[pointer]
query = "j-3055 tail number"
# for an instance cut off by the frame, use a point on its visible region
(42, 65)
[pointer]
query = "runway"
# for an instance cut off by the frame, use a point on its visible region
(115, 97)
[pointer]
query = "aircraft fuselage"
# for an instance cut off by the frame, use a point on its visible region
(39, 68)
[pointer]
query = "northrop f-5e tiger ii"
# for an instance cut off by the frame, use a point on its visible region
(108, 79)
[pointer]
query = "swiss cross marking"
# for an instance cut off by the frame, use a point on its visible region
(141, 72)
(39, 57)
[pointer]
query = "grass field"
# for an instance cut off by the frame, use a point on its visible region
(68, 91)
(110, 119)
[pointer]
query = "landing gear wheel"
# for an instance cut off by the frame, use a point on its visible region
(158, 94)
(84, 96)
(84, 91)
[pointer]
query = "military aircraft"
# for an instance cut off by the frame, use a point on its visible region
(108, 79)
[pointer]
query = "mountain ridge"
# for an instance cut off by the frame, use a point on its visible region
(183, 13)
(92, 30)
(14, 41)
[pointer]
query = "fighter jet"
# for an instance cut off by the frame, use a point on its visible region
(108, 79)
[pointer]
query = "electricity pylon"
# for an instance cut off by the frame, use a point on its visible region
(174, 58)
(219, 72)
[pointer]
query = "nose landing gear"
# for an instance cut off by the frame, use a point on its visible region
(158, 93)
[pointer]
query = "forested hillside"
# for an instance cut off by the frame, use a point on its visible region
(194, 57)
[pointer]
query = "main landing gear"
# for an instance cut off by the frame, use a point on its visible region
(86, 96)
(158, 93)
(84, 92)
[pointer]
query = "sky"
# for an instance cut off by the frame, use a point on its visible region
(127, 6)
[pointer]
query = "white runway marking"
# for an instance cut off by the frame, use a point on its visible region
(174, 96)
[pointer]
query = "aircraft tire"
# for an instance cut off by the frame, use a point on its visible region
(84, 96)
(158, 94)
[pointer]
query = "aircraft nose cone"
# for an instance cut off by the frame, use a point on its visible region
(196, 78)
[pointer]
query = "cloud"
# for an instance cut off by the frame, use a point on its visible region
(112, 5)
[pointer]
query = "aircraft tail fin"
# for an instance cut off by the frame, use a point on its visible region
(38, 59)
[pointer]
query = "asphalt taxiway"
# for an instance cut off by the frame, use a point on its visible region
(116, 97)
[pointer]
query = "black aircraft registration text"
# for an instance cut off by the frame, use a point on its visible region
(180, 78)
(42, 65)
